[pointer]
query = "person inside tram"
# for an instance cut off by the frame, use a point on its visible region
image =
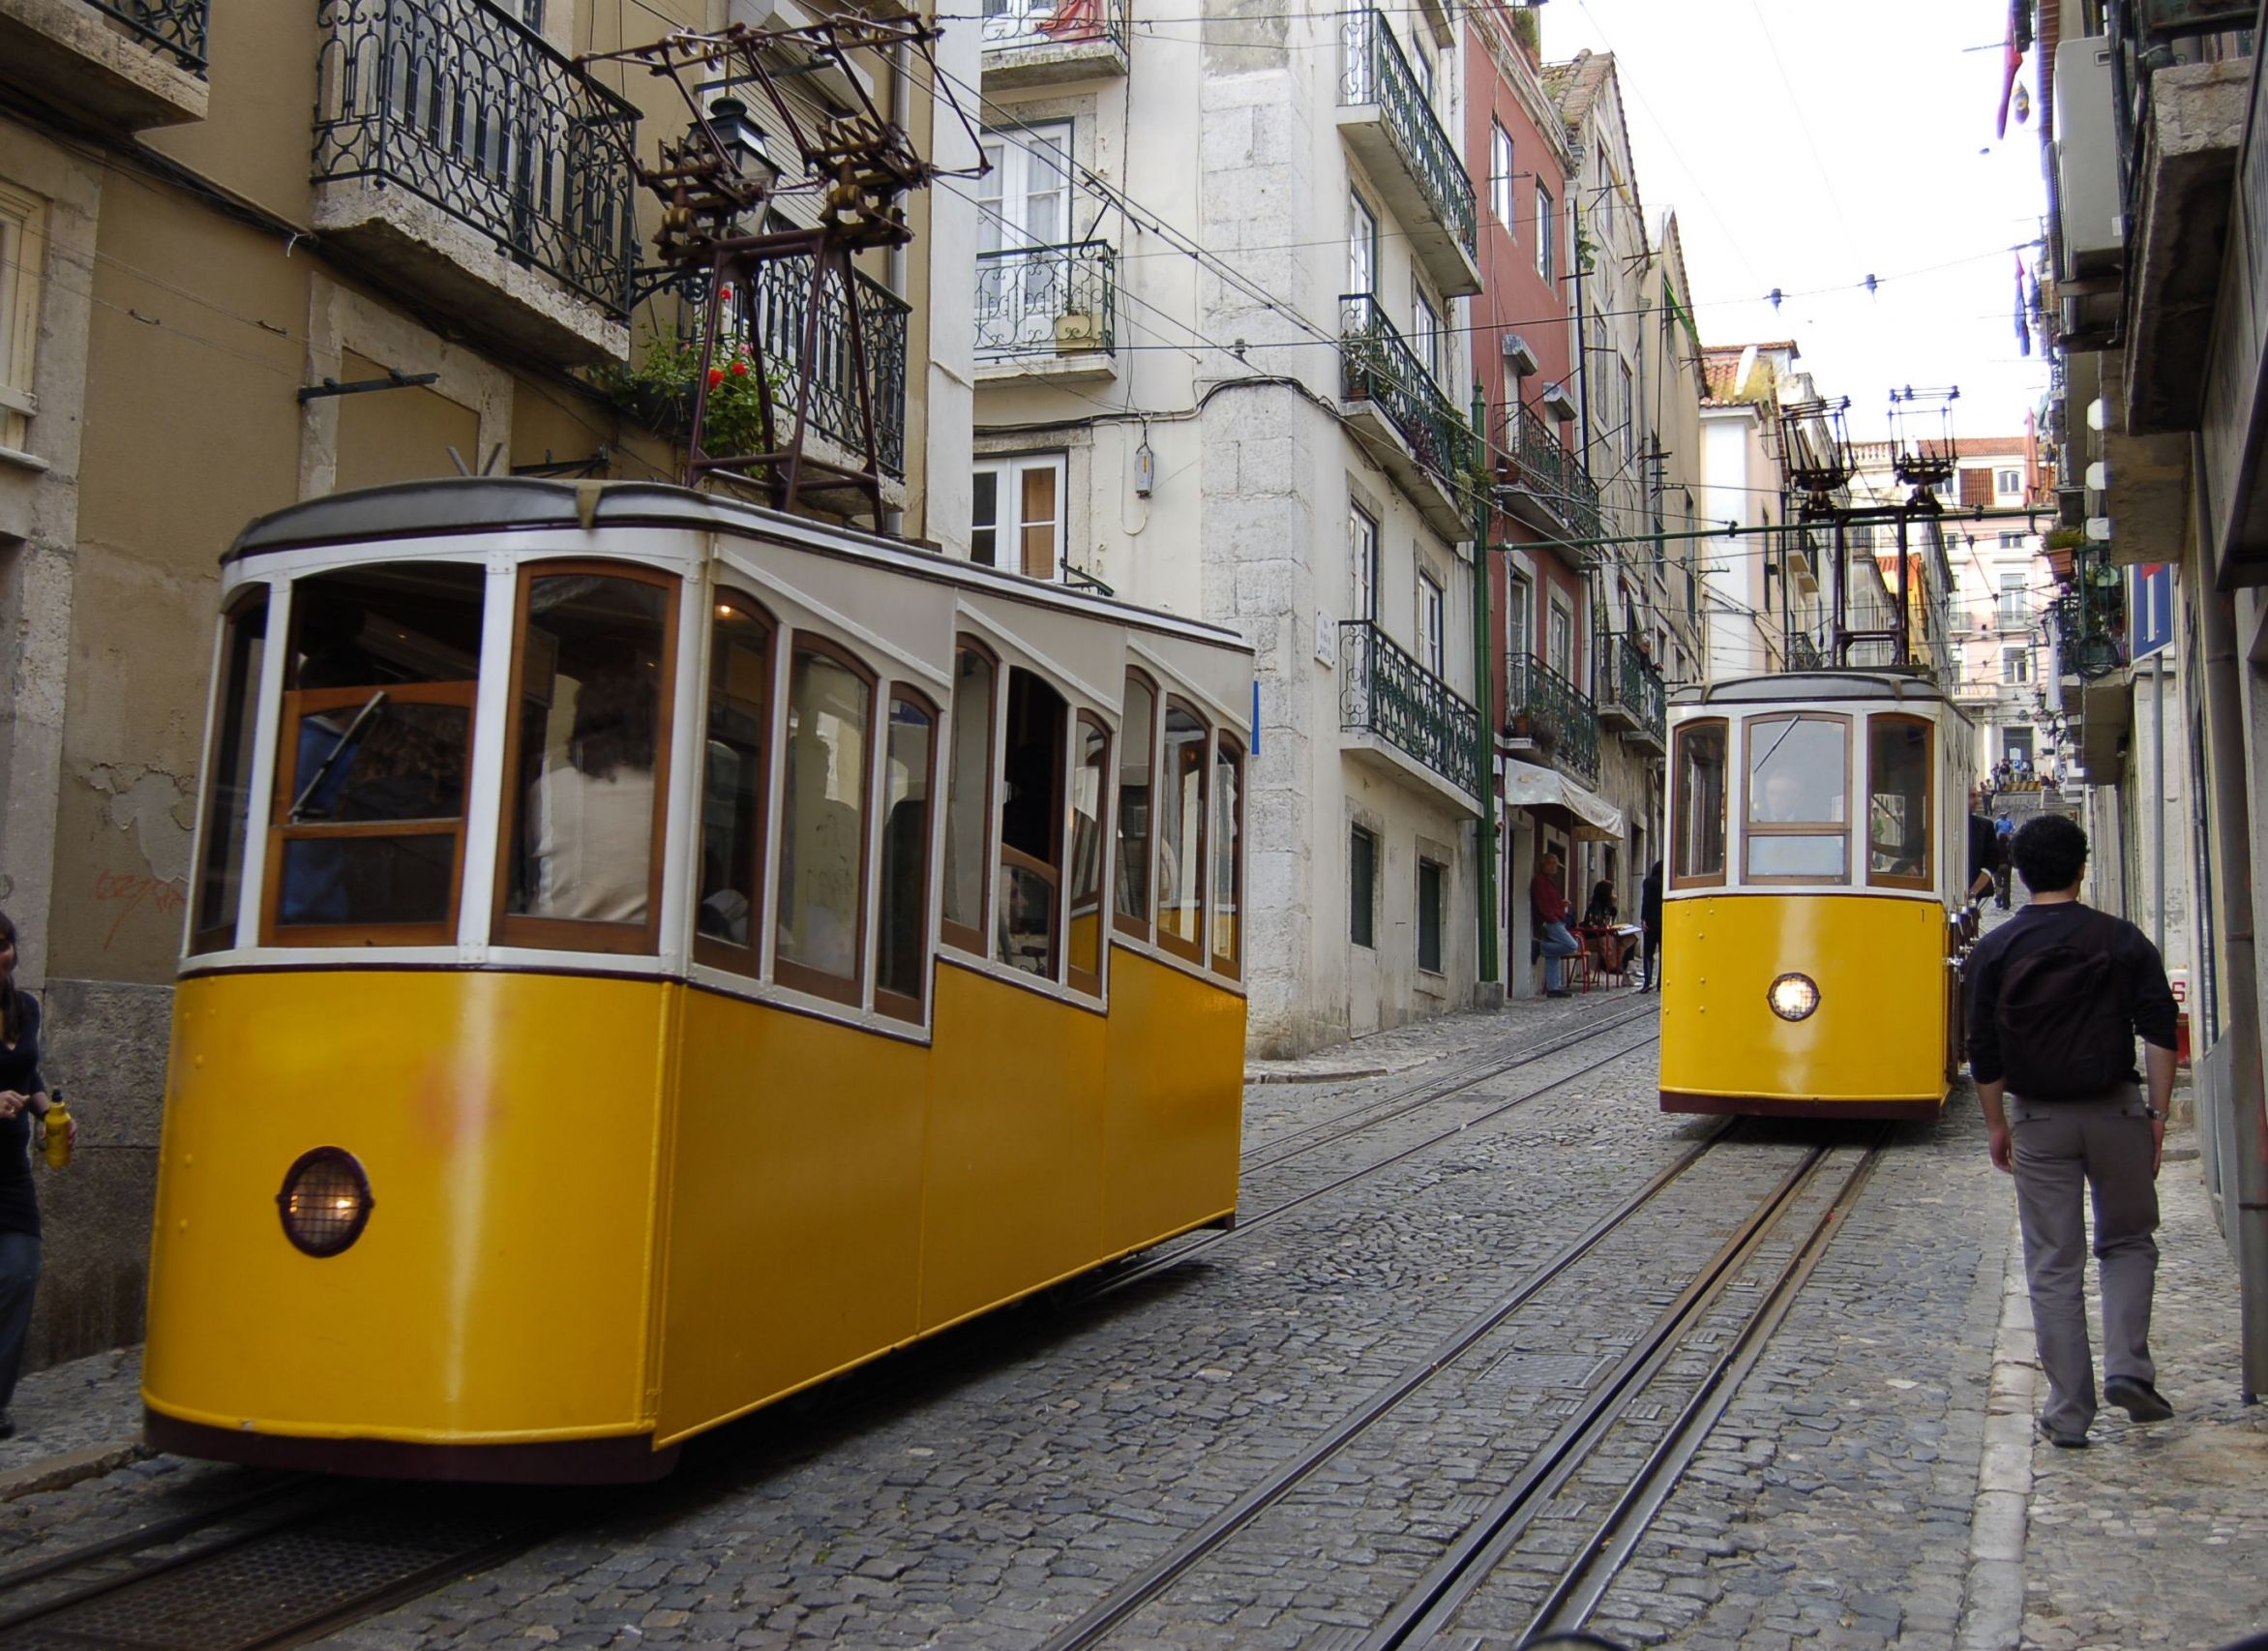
(819, 861)
(1787, 798)
(593, 814)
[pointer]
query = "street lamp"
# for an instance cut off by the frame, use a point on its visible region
(742, 142)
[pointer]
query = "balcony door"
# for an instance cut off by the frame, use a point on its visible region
(1023, 227)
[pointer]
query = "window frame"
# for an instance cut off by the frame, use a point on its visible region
(241, 653)
(1106, 826)
(1363, 563)
(1680, 769)
(580, 934)
(1008, 525)
(1057, 876)
(1751, 826)
(787, 972)
(1368, 907)
(1501, 157)
(1361, 246)
(1144, 927)
(1546, 253)
(1928, 879)
(960, 936)
(1190, 951)
(1231, 963)
(897, 1005)
(1432, 628)
(746, 961)
(23, 247)
(1439, 911)
(1428, 329)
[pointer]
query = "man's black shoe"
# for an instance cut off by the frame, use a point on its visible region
(2063, 1441)
(2141, 1401)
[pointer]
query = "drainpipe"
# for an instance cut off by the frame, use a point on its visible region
(1484, 696)
(2158, 786)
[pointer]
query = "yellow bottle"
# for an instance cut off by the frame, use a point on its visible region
(58, 1125)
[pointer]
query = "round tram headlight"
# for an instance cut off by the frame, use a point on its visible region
(1793, 997)
(325, 1202)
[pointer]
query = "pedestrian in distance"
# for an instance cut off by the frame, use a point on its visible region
(2057, 996)
(1983, 856)
(1552, 938)
(1650, 914)
(23, 1097)
(2004, 831)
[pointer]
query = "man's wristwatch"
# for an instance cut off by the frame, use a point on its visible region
(2152, 1113)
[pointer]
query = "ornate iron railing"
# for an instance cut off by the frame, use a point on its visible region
(1385, 691)
(1043, 300)
(1545, 708)
(471, 110)
(1376, 365)
(175, 26)
(1375, 71)
(1802, 654)
(2090, 619)
(1012, 24)
(1547, 470)
(1629, 681)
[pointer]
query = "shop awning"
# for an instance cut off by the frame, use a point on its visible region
(1586, 815)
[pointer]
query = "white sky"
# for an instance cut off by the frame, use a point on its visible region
(1805, 144)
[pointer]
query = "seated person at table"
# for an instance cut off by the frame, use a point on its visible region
(1601, 913)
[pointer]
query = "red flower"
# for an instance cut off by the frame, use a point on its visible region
(739, 369)
(725, 293)
(716, 377)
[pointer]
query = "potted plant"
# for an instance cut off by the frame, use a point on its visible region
(658, 391)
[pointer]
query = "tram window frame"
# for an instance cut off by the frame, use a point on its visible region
(1085, 723)
(1682, 873)
(1925, 878)
(238, 700)
(1053, 872)
(969, 937)
(1134, 850)
(714, 951)
(585, 934)
(1228, 752)
(1193, 950)
(900, 1006)
(788, 972)
(1752, 828)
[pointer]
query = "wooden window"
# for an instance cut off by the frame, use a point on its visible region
(1017, 519)
(1363, 888)
(367, 824)
(1137, 761)
(735, 786)
(1698, 860)
(1799, 780)
(819, 926)
(1228, 876)
(23, 258)
(1432, 643)
(1429, 903)
(1090, 814)
(236, 715)
(1899, 798)
(901, 970)
(1030, 892)
(1181, 834)
(969, 788)
(586, 762)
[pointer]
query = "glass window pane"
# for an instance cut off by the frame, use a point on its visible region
(1228, 820)
(590, 718)
(1133, 896)
(1038, 517)
(399, 622)
(378, 759)
(368, 880)
(902, 958)
(1701, 801)
(1362, 883)
(1090, 797)
(733, 775)
(228, 775)
(1795, 770)
(1180, 831)
(1897, 809)
(966, 800)
(1778, 856)
(1031, 804)
(822, 816)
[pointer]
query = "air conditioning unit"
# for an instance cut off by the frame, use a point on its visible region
(2089, 234)
(1558, 402)
(1518, 356)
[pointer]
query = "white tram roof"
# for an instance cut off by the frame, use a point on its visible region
(492, 504)
(1812, 687)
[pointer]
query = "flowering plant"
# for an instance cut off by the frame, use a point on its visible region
(661, 382)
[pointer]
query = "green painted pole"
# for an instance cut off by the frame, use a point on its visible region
(1484, 696)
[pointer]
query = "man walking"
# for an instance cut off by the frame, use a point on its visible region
(2056, 997)
(1552, 938)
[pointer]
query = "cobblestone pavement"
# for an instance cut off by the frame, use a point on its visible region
(986, 1489)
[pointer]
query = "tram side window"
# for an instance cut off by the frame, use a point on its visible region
(1031, 826)
(736, 760)
(1898, 801)
(236, 715)
(1137, 750)
(1181, 834)
(1701, 806)
(1798, 778)
(585, 778)
(367, 822)
(1091, 795)
(902, 957)
(969, 795)
(821, 902)
(1228, 829)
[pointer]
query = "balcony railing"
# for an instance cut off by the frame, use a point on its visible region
(1376, 365)
(1629, 687)
(465, 107)
(1375, 71)
(1548, 711)
(2089, 620)
(175, 26)
(1385, 691)
(1802, 654)
(1548, 471)
(1009, 24)
(1048, 300)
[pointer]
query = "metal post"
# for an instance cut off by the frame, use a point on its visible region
(2158, 787)
(1484, 696)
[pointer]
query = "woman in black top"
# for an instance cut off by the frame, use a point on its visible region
(22, 1091)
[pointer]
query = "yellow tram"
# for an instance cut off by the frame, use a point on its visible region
(1818, 855)
(649, 953)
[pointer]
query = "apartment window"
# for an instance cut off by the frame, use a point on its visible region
(1559, 644)
(1430, 651)
(1629, 413)
(23, 241)
(2007, 482)
(1520, 615)
(1429, 883)
(1362, 558)
(1363, 888)
(1499, 176)
(1017, 519)
(2014, 610)
(1421, 65)
(1545, 255)
(1361, 246)
(2012, 541)
(2015, 665)
(1022, 222)
(1425, 331)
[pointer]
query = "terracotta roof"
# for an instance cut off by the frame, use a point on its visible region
(1721, 365)
(1574, 85)
(1993, 447)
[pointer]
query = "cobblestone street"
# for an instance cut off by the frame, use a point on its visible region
(1871, 1481)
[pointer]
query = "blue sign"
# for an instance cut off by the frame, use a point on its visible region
(2150, 607)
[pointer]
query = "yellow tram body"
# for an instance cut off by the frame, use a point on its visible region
(1818, 850)
(613, 1197)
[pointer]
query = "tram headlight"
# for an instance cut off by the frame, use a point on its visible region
(1793, 997)
(325, 1201)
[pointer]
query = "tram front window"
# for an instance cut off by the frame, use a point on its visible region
(1701, 806)
(229, 787)
(1898, 807)
(736, 758)
(1798, 778)
(370, 772)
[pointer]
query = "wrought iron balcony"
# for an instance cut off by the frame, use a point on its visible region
(176, 27)
(1377, 366)
(1048, 300)
(1439, 214)
(1543, 467)
(1385, 691)
(1632, 697)
(123, 65)
(1038, 42)
(470, 111)
(1802, 654)
(1549, 714)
